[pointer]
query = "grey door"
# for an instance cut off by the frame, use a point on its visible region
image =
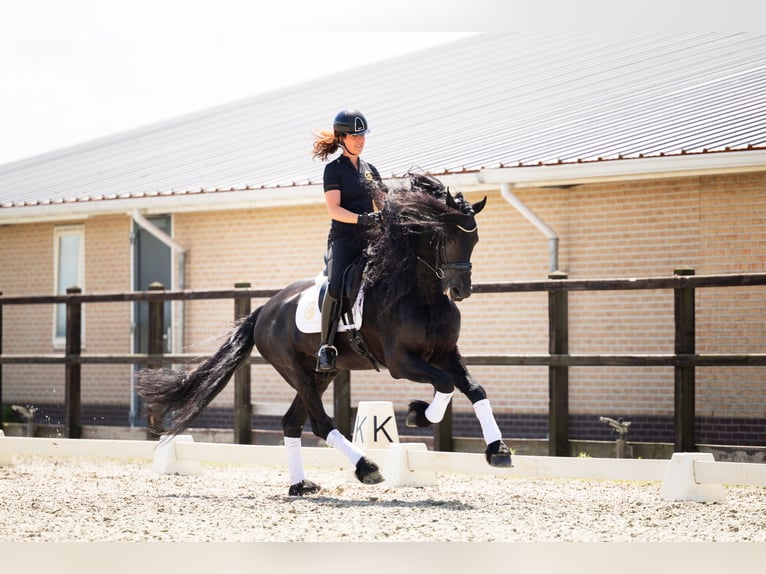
(152, 263)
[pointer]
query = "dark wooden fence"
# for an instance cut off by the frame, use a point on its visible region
(558, 360)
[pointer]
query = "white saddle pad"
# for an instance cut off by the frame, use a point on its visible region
(308, 316)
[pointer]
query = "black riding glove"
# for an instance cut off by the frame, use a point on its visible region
(368, 219)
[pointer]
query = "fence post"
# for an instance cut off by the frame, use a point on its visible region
(684, 375)
(243, 408)
(558, 376)
(155, 346)
(443, 432)
(72, 376)
(341, 398)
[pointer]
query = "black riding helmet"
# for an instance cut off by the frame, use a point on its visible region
(350, 121)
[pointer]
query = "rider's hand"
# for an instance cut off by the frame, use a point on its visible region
(368, 219)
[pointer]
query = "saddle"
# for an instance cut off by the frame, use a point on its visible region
(308, 311)
(351, 284)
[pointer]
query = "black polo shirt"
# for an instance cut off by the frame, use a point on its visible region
(354, 186)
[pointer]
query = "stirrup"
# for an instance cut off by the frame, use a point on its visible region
(326, 358)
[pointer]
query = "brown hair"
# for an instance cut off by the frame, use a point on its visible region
(326, 143)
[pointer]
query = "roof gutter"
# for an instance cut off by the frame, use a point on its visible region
(157, 232)
(534, 219)
(162, 203)
(684, 165)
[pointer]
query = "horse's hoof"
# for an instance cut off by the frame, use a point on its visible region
(416, 415)
(368, 472)
(498, 454)
(303, 488)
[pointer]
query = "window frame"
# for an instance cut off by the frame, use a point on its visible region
(60, 231)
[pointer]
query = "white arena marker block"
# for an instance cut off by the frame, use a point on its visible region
(397, 471)
(681, 484)
(375, 425)
(166, 460)
(6, 458)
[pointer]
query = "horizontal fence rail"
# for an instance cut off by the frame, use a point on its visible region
(684, 360)
(658, 360)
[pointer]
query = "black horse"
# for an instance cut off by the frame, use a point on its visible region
(418, 265)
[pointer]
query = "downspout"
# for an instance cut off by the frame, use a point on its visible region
(547, 230)
(180, 253)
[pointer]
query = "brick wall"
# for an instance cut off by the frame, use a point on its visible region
(27, 269)
(632, 229)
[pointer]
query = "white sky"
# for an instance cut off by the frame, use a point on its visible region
(76, 70)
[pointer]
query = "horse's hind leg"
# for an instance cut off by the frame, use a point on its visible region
(292, 427)
(309, 403)
(366, 470)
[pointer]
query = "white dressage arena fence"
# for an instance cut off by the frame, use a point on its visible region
(685, 477)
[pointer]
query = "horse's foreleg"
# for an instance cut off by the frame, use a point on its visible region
(497, 452)
(422, 414)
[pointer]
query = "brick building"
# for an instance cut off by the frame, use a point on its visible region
(642, 154)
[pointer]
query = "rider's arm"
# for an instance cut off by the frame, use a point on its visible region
(338, 213)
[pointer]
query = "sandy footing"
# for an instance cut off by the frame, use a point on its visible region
(73, 499)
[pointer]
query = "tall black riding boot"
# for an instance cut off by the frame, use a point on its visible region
(327, 352)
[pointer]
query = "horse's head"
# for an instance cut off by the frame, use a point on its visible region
(448, 254)
(425, 242)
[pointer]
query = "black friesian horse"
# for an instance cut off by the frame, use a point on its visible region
(418, 265)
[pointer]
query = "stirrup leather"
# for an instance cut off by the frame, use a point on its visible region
(327, 351)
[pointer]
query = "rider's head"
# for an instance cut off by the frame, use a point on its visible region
(350, 121)
(348, 130)
(350, 127)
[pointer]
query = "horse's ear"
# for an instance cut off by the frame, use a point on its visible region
(479, 205)
(451, 201)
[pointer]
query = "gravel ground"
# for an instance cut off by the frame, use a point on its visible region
(79, 499)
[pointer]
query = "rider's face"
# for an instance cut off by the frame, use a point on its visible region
(354, 144)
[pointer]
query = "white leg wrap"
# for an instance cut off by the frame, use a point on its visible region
(437, 408)
(489, 427)
(294, 459)
(336, 440)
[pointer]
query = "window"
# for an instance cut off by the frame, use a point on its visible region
(69, 247)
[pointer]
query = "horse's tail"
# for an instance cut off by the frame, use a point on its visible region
(183, 396)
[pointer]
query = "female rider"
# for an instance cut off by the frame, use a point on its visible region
(349, 184)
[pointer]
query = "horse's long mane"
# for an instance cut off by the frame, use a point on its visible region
(407, 214)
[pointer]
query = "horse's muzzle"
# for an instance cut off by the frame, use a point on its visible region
(458, 294)
(457, 281)
(459, 288)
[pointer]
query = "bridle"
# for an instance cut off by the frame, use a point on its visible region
(446, 270)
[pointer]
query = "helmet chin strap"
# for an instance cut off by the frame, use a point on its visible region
(348, 152)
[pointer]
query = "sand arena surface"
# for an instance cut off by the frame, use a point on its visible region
(83, 499)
